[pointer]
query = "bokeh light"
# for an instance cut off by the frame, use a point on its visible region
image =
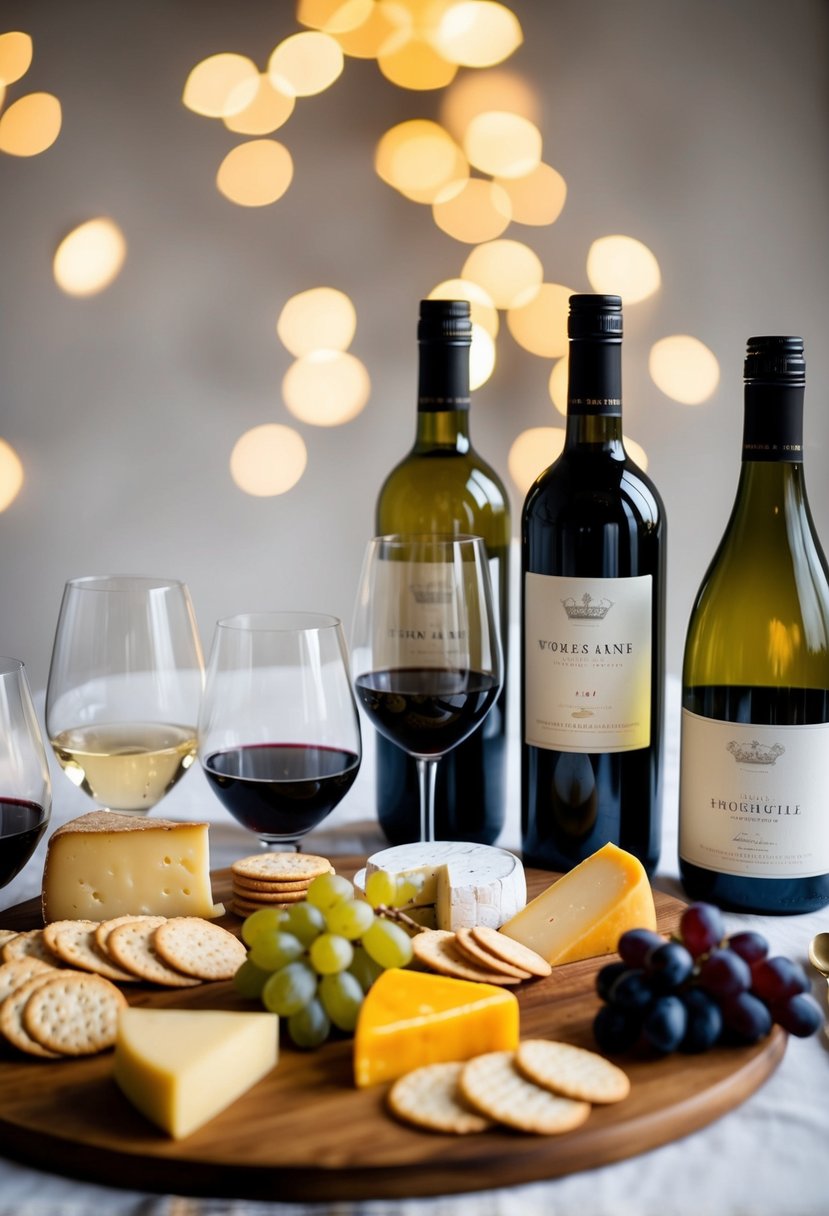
(557, 384)
(214, 86)
(538, 197)
(268, 460)
(684, 369)
(532, 452)
(473, 211)
(11, 474)
(266, 108)
(502, 144)
(636, 452)
(478, 33)
(30, 125)
(505, 269)
(482, 310)
(479, 92)
(481, 356)
(367, 40)
(334, 16)
(413, 63)
(256, 173)
(419, 159)
(321, 317)
(306, 63)
(540, 324)
(621, 265)
(326, 387)
(15, 56)
(90, 257)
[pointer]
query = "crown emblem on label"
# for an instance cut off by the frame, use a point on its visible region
(431, 593)
(582, 713)
(755, 753)
(587, 609)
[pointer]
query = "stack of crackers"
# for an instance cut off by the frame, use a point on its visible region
(274, 880)
(479, 953)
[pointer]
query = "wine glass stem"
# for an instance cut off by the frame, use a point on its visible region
(426, 773)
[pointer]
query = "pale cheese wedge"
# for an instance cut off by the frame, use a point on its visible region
(181, 1067)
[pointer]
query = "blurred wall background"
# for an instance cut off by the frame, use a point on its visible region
(699, 127)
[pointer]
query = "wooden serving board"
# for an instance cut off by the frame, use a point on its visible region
(306, 1134)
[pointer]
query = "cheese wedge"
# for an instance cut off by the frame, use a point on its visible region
(180, 1067)
(104, 864)
(411, 1018)
(584, 913)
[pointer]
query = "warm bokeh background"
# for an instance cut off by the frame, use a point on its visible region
(700, 129)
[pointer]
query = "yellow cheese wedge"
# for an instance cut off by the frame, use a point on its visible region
(585, 912)
(411, 1018)
(180, 1067)
(104, 864)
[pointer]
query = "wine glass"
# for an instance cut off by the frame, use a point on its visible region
(25, 788)
(279, 733)
(125, 680)
(426, 654)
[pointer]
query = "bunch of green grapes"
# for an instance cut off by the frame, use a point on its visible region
(313, 963)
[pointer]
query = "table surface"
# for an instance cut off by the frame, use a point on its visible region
(766, 1158)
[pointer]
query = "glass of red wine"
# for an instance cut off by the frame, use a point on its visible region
(425, 648)
(25, 788)
(279, 732)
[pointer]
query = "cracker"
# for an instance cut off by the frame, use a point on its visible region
(510, 951)
(29, 944)
(75, 943)
(11, 1019)
(572, 1071)
(6, 935)
(199, 948)
(75, 1014)
(285, 866)
(131, 946)
(246, 907)
(480, 957)
(428, 1097)
(269, 897)
(105, 927)
(436, 948)
(14, 974)
(271, 884)
(495, 1087)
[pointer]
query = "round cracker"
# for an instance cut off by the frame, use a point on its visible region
(105, 927)
(29, 944)
(269, 897)
(572, 1071)
(245, 907)
(199, 948)
(6, 935)
(492, 1084)
(75, 943)
(74, 1014)
(11, 1019)
(429, 1097)
(271, 884)
(284, 866)
(15, 974)
(510, 951)
(131, 946)
(436, 948)
(480, 957)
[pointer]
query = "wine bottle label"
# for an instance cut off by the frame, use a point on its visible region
(587, 662)
(752, 798)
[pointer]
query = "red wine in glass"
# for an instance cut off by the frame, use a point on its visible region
(22, 824)
(426, 710)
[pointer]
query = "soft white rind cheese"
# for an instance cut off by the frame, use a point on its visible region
(468, 884)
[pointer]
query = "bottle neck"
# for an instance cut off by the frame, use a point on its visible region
(771, 484)
(594, 395)
(443, 396)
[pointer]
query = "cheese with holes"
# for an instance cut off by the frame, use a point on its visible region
(584, 913)
(467, 884)
(180, 1067)
(409, 1018)
(104, 864)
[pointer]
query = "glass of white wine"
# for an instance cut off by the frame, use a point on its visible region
(125, 682)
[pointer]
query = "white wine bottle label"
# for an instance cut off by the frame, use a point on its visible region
(752, 798)
(587, 661)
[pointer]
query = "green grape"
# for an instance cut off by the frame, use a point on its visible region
(330, 953)
(342, 997)
(381, 888)
(290, 989)
(328, 889)
(350, 918)
(408, 889)
(249, 979)
(260, 924)
(364, 969)
(271, 953)
(388, 944)
(310, 1026)
(303, 920)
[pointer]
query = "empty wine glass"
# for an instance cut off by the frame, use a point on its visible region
(25, 789)
(124, 685)
(279, 733)
(425, 651)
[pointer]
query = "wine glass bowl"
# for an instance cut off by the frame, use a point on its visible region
(25, 788)
(124, 687)
(279, 733)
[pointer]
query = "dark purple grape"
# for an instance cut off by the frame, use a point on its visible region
(749, 945)
(775, 979)
(635, 945)
(631, 991)
(669, 966)
(799, 1014)
(616, 1029)
(701, 928)
(746, 1017)
(606, 977)
(665, 1024)
(723, 973)
(704, 1020)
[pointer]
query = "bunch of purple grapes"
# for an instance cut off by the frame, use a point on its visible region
(703, 988)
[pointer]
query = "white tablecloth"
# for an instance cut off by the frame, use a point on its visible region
(766, 1158)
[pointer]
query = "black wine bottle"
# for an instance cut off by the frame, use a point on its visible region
(754, 766)
(593, 576)
(444, 486)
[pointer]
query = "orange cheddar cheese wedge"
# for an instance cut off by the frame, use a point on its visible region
(411, 1018)
(584, 913)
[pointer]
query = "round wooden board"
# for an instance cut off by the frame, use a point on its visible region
(306, 1134)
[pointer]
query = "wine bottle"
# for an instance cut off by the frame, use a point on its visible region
(754, 763)
(444, 486)
(593, 576)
